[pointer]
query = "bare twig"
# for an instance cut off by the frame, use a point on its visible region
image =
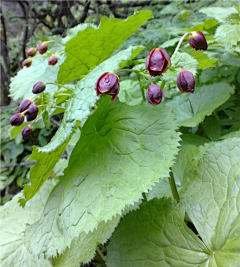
(85, 11)
(55, 122)
(18, 164)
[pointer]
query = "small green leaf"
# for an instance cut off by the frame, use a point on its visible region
(191, 109)
(210, 23)
(228, 35)
(180, 59)
(219, 13)
(17, 130)
(212, 128)
(130, 93)
(204, 61)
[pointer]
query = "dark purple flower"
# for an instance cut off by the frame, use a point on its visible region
(26, 131)
(31, 117)
(27, 62)
(108, 83)
(157, 61)
(42, 47)
(52, 60)
(198, 41)
(154, 94)
(16, 119)
(31, 52)
(39, 87)
(33, 109)
(24, 105)
(186, 81)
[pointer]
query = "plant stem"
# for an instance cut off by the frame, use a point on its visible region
(100, 253)
(53, 106)
(215, 114)
(58, 84)
(180, 42)
(173, 187)
(144, 197)
(137, 72)
(53, 41)
(63, 95)
(162, 84)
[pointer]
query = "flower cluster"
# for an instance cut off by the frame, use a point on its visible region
(41, 48)
(157, 62)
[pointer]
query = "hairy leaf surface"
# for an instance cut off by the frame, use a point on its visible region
(122, 151)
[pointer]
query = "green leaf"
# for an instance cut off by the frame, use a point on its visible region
(22, 84)
(212, 201)
(121, 153)
(17, 130)
(228, 35)
(40, 172)
(193, 139)
(219, 13)
(160, 189)
(169, 43)
(92, 46)
(180, 59)
(130, 92)
(78, 108)
(14, 249)
(204, 61)
(83, 248)
(212, 128)
(191, 109)
(210, 23)
(155, 235)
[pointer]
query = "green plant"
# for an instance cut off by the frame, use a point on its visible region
(132, 156)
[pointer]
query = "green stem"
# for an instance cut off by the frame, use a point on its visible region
(173, 187)
(137, 72)
(162, 84)
(100, 253)
(180, 42)
(216, 115)
(63, 95)
(58, 107)
(144, 197)
(53, 41)
(35, 119)
(58, 84)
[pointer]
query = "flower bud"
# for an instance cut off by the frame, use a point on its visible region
(157, 61)
(16, 119)
(108, 84)
(31, 52)
(31, 117)
(186, 82)
(42, 47)
(52, 60)
(154, 94)
(33, 109)
(39, 87)
(198, 41)
(24, 105)
(27, 62)
(26, 131)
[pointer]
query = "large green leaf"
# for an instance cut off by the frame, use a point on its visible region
(219, 13)
(191, 109)
(212, 201)
(92, 46)
(14, 249)
(156, 235)
(122, 151)
(78, 108)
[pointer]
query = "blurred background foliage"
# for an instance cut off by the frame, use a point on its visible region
(25, 23)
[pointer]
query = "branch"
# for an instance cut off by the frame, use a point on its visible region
(85, 11)
(18, 164)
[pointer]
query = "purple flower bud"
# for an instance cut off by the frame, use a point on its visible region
(26, 131)
(108, 84)
(31, 52)
(16, 119)
(39, 87)
(27, 62)
(198, 41)
(24, 105)
(186, 81)
(42, 47)
(157, 61)
(33, 109)
(31, 117)
(154, 94)
(52, 60)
